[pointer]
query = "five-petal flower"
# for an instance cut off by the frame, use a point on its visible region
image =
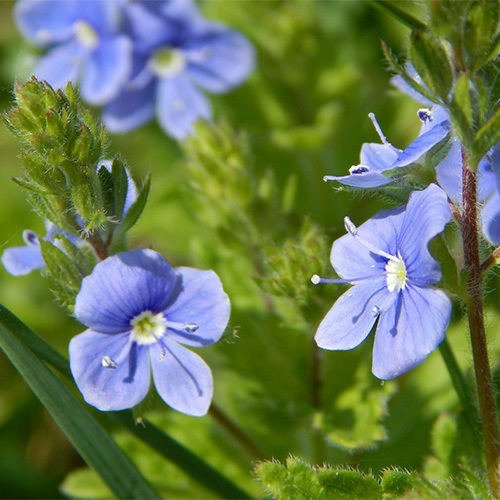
(176, 54)
(389, 264)
(139, 310)
(84, 41)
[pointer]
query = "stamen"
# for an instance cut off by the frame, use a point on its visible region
(425, 115)
(353, 230)
(107, 362)
(30, 238)
(384, 140)
(359, 169)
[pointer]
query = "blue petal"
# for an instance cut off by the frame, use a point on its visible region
(107, 388)
(130, 109)
(62, 64)
(182, 378)
(407, 89)
(46, 22)
(202, 302)
(378, 157)
(410, 331)
(219, 59)
(20, 261)
(123, 286)
(422, 144)
(180, 104)
(107, 69)
(156, 24)
(350, 320)
(353, 260)
(449, 172)
(426, 216)
(362, 180)
(103, 17)
(491, 219)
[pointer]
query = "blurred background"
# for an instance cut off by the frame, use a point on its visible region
(302, 114)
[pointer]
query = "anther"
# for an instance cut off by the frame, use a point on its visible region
(425, 115)
(107, 362)
(359, 169)
(315, 279)
(375, 311)
(190, 327)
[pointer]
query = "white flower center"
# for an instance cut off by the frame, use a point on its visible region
(86, 35)
(147, 327)
(167, 62)
(395, 274)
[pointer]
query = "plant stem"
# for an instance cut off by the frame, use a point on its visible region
(235, 432)
(475, 316)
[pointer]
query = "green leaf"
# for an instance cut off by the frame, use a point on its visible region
(393, 10)
(87, 436)
(65, 276)
(431, 60)
(486, 137)
(300, 480)
(107, 189)
(480, 31)
(134, 211)
(120, 184)
(461, 111)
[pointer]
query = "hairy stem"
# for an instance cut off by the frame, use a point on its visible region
(476, 326)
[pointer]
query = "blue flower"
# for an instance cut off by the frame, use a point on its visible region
(176, 54)
(20, 261)
(389, 264)
(140, 312)
(379, 158)
(84, 42)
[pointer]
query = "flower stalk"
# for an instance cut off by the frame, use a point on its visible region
(474, 306)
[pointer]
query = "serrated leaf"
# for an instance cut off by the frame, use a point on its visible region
(348, 484)
(432, 63)
(87, 436)
(134, 212)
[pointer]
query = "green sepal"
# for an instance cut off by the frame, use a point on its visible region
(461, 110)
(480, 32)
(55, 125)
(134, 212)
(432, 63)
(64, 275)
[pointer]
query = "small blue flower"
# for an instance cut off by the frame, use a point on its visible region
(379, 158)
(20, 261)
(176, 54)
(389, 264)
(140, 312)
(84, 43)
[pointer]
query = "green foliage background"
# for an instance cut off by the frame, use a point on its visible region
(302, 115)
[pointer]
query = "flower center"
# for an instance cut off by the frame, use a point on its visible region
(167, 62)
(86, 35)
(395, 274)
(147, 327)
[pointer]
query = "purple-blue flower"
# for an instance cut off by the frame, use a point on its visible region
(388, 262)
(177, 53)
(379, 158)
(84, 41)
(140, 313)
(20, 261)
